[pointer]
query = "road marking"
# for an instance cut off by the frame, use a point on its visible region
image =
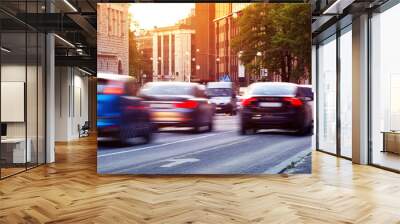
(156, 146)
(177, 162)
(183, 155)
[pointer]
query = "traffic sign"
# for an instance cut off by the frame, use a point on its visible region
(263, 72)
(225, 78)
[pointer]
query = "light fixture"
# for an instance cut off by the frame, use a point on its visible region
(84, 71)
(235, 15)
(337, 7)
(5, 50)
(259, 53)
(70, 5)
(64, 40)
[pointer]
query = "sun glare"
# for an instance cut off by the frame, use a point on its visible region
(148, 15)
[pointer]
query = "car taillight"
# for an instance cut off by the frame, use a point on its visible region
(138, 107)
(246, 102)
(296, 102)
(189, 104)
(112, 90)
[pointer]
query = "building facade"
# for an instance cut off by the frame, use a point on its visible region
(173, 53)
(226, 28)
(113, 38)
(205, 42)
(144, 43)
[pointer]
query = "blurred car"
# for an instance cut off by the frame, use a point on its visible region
(178, 104)
(223, 96)
(120, 116)
(277, 105)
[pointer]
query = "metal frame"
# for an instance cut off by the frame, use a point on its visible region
(338, 93)
(37, 163)
(338, 152)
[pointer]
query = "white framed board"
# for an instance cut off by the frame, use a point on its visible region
(12, 101)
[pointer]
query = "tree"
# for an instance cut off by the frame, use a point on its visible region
(281, 32)
(136, 60)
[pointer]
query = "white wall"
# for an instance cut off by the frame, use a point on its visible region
(71, 102)
(33, 126)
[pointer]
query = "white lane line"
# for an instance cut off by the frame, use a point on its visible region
(156, 146)
(177, 162)
(158, 161)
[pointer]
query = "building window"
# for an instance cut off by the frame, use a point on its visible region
(119, 67)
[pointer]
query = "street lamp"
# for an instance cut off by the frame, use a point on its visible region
(235, 15)
(259, 54)
(217, 60)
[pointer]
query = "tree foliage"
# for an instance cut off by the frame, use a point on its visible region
(136, 60)
(281, 32)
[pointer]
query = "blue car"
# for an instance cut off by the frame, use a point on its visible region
(120, 115)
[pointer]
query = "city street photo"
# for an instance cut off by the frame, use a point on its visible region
(204, 88)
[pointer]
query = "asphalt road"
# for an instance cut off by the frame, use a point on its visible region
(223, 151)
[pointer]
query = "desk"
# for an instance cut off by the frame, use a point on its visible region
(391, 141)
(17, 150)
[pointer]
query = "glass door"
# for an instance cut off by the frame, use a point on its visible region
(385, 89)
(326, 95)
(346, 92)
(14, 153)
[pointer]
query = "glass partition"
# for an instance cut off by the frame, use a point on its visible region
(346, 92)
(22, 88)
(14, 153)
(326, 94)
(385, 89)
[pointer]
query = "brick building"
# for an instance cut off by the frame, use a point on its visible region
(225, 23)
(145, 47)
(205, 42)
(113, 38)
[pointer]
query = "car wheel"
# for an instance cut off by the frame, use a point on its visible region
(148, 138)
(244, 130)
(305, 130)
(210, 126)
(196, 128)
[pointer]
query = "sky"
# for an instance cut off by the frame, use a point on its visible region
(149, 15)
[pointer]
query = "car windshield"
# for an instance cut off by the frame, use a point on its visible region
(272, 90)
(170, 89)
(213, 92)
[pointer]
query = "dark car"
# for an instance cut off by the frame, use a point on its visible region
(277, 105)
(120, 116)
(178, 104)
